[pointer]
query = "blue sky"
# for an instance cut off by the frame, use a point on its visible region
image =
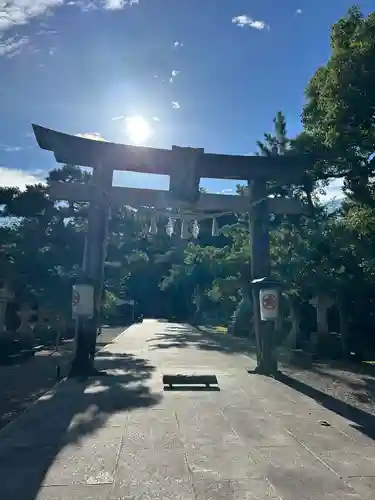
(207, 73)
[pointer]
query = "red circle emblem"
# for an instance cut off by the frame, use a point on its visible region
(269, 301)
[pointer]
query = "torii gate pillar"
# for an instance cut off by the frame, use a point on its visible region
(93, 269)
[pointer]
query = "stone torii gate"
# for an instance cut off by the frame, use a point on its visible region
(185, 167)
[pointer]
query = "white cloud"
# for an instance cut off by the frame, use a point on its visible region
(45, 31)
(118, 4)
(116, 118)
(84, 5)
(299, 11)
(156, 119)
(333, 190)
(114, 4)
(16, 12)
(12, 177)
(246, 21)
(12, 46)
(175, 72)
(177, 44)
(9, 149)
(175, 104)
(160, 79)
(19, 12)
(94, 136)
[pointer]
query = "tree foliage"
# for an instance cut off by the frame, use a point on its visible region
(340, 108)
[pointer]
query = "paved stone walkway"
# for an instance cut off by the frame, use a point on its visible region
(123, 437)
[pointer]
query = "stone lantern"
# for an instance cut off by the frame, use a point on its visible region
(322, 304)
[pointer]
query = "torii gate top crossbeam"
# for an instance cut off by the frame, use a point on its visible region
(90, 153)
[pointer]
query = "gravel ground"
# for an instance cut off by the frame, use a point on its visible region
(349, 383)
(23, 383)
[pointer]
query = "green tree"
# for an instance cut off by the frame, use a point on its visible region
(339, 112)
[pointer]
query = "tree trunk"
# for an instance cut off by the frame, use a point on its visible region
(344, 331)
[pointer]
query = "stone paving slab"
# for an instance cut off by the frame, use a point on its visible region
(365, 486)
(296, 473)
(158, 487)
(320, 438)
(350, 462)
(122, 437)
(92, 463)
(252, 489)
(258, 429)
(78, 492)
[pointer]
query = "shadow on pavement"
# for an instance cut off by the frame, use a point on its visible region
(363, 421)
(73, 411)
(185, 336)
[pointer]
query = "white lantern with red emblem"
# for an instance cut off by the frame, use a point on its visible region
(269, 304)
(82, 301)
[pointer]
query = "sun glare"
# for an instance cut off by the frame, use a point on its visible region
(137, 129)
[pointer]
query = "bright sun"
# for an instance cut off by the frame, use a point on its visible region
(137, 129)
